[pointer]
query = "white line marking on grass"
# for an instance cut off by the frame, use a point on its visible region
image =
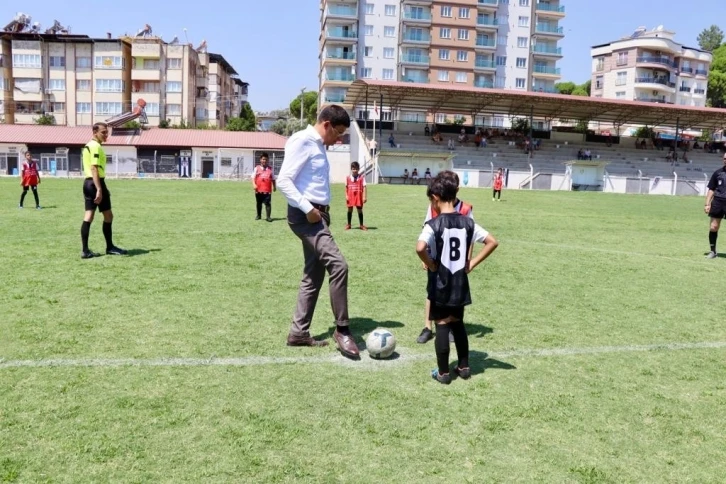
(365, 361)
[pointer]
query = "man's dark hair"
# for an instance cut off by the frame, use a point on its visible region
(97, 127)
(444, 186)
(355, 166)
(337, 116)
(264, 155)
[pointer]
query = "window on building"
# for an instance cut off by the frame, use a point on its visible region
(59, 108)
(462, 56)
(390, 10)
(174, 63)
(109, 85)
(461, 77)
(110, 62)
(368, 30)
(521, 62)
(600, 64)
(388, 52)
(521, 83)
(501, 60)
(524, 3)
(83, 62)
(57, 61)
(173, 86)
(202, 113)
(443, 76)
(598, 82)
(463, 34)
(387, 74)
(108, 108)
(440, 118)
(366, 73)
(57, 84)
(445, 33)
(499, 82)
(152, 109)
(445, 11)
(621, 78)
(522, 42)
(369, 8)
(389, 31)
(523, 21)
(30, 61)
(463, 12)
(368, 52)
(622, 59)
(620, 95)
(443, 54)
(83, 108)
(173, 109)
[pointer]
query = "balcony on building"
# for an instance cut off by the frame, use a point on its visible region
(339, 55)
(658, 83)
(334, 95)
(545, 87)
(416, 58)
(345, 33)
(540, 70)
(655, 60)
(685, 70)
(145, 69)
(344, 12)
(149, 49)
(416, 15)
(488, 4)
(339, 76)
(549, 29)
(485, 42)
(482, 63)
(701, 72)
(550, 9)
(484, 82)
(546, 50)
(416, 36)
(486, 21)
(699, 91)
(415, 76)
(650, 98)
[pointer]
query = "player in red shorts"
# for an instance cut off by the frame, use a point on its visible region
(30, 178)
(355, 194)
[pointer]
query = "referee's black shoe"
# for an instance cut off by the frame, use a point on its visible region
(116, 251)
(89, 255)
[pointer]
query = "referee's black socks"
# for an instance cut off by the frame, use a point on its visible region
(85, 230)
(712, 236)
(107, 233)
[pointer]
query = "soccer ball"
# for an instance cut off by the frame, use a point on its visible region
(380, 343)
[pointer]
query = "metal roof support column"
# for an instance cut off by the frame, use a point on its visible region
(675, 145)
(365, 121)
(380, 120)
(531, 127)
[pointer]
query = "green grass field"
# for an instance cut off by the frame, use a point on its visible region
(597, 335)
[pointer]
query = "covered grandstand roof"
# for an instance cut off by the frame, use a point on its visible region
(467, 100)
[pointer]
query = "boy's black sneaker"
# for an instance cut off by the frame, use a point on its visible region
(464, 373)
(116, 251)
(426, 335)
(89, 255)
(445, 379)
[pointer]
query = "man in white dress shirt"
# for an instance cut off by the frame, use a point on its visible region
(304, 180)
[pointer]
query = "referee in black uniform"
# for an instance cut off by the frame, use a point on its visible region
(716, 205)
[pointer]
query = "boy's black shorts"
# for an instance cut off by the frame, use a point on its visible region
(89, 194)
(439, 313)
(264, 198)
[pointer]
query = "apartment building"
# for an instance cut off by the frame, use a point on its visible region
(650, 66)
(79, 80)
(479, 43)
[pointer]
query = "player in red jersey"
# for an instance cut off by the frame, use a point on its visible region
(355, 194)
(264, 184)
(30, 178)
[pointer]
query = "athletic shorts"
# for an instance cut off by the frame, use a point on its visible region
(265, 198)
(439, 313)
(718, 208)
(89, 194)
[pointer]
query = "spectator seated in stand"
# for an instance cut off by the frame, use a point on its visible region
(391, 141)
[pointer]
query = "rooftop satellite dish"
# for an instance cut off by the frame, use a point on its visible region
(659, 28)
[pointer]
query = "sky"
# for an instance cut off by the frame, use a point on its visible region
(273, 45)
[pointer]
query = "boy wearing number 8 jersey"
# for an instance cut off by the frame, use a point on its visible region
(444, 247)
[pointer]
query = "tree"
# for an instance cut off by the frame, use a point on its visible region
(246, 121)
(565, 87)
(45, 120)
(310, 107)
(711, 38)
(520, 125)
(717, 79)
(286, 127)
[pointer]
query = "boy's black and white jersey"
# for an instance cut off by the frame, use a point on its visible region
(448, 238)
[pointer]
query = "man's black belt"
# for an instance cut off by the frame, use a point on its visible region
(322, 208)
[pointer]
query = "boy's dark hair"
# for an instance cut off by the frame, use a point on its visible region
(444, 186)
(337, 116)
(354, 166)
(264, 155)
(97, 127)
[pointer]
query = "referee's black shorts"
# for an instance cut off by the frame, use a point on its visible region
(89, 195)
(718, 208)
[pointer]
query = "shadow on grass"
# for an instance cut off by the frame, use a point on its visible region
(477, 330)
(362, 326)
(479, 362)
(135, 252)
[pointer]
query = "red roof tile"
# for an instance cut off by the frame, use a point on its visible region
(154, 137)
